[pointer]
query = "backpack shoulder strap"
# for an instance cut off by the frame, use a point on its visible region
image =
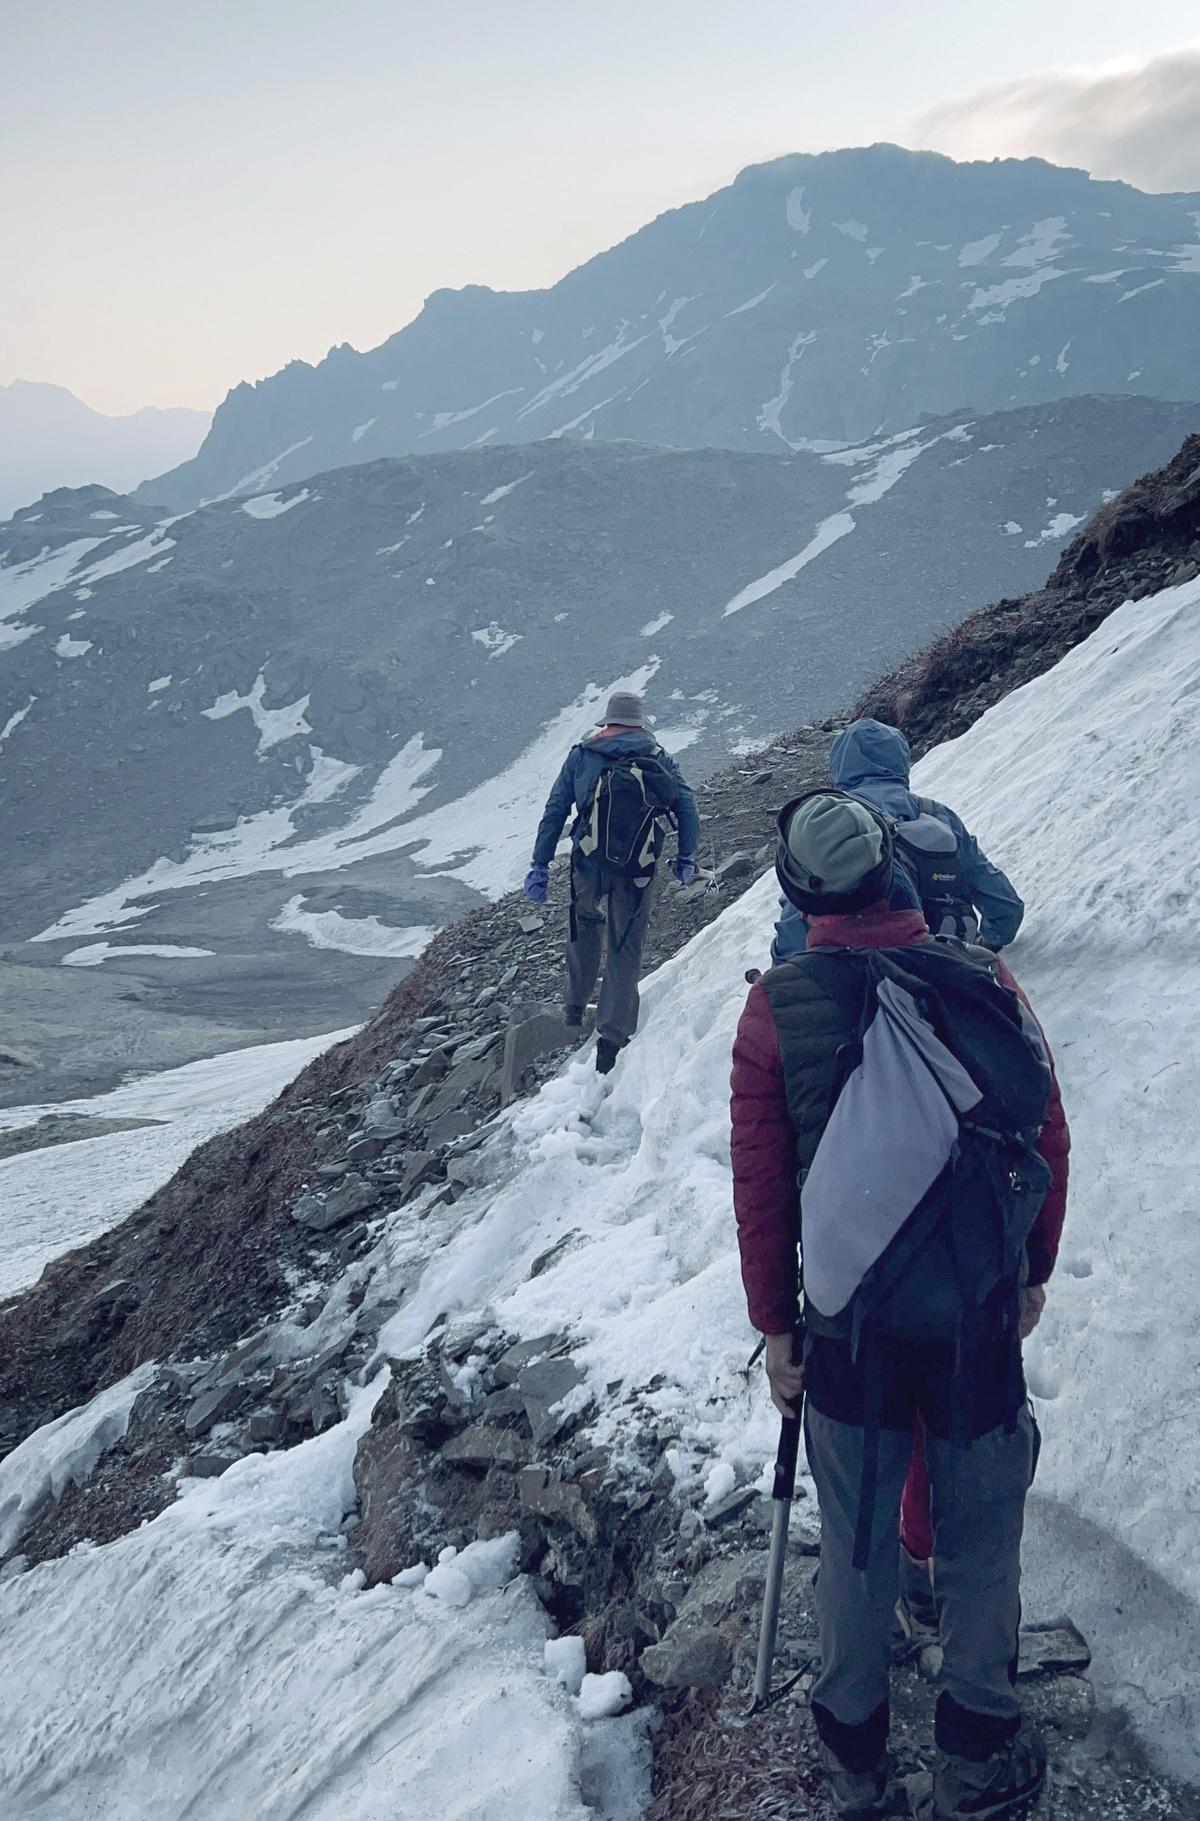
(927, 806)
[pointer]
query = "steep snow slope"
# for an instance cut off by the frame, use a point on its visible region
(1083, 784)
(221, 1663)
(830, 297)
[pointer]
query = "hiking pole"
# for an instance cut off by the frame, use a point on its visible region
(782, 1493)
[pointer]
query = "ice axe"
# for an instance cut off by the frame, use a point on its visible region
(782, 1493)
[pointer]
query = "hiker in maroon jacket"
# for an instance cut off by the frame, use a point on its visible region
(835, 860)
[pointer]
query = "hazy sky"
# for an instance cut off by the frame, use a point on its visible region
(195, 191)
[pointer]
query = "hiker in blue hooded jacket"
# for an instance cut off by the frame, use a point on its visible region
(969, 897)
(624, 789)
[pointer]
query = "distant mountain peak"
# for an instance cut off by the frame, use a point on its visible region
(821, 297)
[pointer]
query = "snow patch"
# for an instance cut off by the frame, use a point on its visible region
(499, 493)
(1040, 244)
(799, 218)
(353, 935)
(769, 416)
(274, 724)
(751, 303)
(853, 230)
(1137, 291)
(158, 684)
(14, 720)
(443, 420)
(1012, 290)
(839, 525)
(98, 952)
(1059, 526)
(360, 430)
(67, 647)
(652, 626)
(272, 505)
(976, 251)
(495, 640)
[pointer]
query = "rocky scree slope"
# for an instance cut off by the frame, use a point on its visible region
(832, 297)
(261, 1221)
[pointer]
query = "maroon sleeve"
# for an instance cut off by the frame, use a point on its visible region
(765, 1195)
(1055, 1146)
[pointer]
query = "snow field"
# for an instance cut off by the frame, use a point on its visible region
(62, 1196)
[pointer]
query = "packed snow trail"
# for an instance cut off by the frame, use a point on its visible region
(215, 1644)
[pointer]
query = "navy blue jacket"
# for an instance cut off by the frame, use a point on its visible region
(576, 781)
(872, 760)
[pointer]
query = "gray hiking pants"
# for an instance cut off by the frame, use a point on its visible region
(607, 904)
(978, 1514)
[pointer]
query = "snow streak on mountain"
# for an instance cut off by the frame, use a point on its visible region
(230, 1618)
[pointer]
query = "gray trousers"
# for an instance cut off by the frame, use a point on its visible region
(978, 1514)
(607, 905)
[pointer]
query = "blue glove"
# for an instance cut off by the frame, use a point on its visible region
(537, 884)
(685, 868)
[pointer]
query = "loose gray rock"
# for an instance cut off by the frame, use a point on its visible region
(513, 1361)
(422, 1167)
(690, 1654)
(543, 1387)
(353, 1195)
(216, 1406)
(480, 1446)
(525, 1043)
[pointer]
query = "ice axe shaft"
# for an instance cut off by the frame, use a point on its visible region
(782, 1493)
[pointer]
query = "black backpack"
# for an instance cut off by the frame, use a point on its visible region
(620, 825)
(943, 1267)
(928, 851)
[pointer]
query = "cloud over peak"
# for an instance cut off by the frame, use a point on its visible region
(1136, 120)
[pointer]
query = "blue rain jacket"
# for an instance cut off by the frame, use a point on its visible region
(871, 760)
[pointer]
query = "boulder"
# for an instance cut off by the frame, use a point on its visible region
(353, 1195)
(690, 1654)
(481, 1446)
(730, 1584)
(450, 1126)
(422, 1167)
(543, 1386)
(731, 1506)
(525, 1043)
(513, 1361)
(560, 1501)
(216, 1406)
(212, 1463)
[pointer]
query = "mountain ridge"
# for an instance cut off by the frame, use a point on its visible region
(818, 298)
(50, 438)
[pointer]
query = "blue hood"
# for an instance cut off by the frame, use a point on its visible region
(871, 759)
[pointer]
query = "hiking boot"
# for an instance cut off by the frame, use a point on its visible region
(856, 1795)
(1001, 1788)
(916, 1609)
(573, 1017)
(606, 1055)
